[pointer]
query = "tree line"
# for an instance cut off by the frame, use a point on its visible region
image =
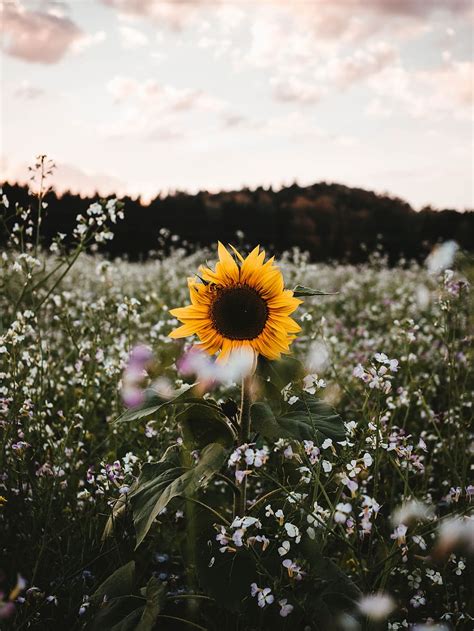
(330, 221)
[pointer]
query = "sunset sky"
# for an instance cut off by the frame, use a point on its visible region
(140, 96)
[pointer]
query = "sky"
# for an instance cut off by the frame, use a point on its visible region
(142, 96)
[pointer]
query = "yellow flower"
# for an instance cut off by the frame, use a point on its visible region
(242, 304)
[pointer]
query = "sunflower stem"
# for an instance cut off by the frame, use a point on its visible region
(240, 503)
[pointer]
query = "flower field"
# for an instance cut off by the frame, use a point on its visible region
(123, 459)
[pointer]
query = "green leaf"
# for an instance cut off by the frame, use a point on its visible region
(281, 372)
(118, 614)
(202, 424)
(120, 609)
(269, 392)
(155, 597)
(154, 402)
(307, 419)
(120, 583)
(301, 292)
(333, 587)
(117, 605)
(161, 482)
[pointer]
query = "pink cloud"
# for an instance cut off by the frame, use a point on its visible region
(25, 90)
(295, 89)
(66, 177)
(36, 36)
(435, 93)
(175, 14)
(417, 7)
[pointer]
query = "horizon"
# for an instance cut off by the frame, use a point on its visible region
(137, 98)
(144, 202)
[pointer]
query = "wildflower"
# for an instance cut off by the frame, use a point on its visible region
(134, 374)
(284, 548)
(293, 569)
(260, 539)
(311, 451)
(237, 537)
(399, 534)
(359, 371)
(435, 577)
(239, 305)
(412, 511)
(327, 466)
(286, 608)
(441, 257)
(453, 533)
(264, 595)
(418, 600)
(208, 372)
(311, 383)
(376, 607)
(342, 512)
(293, 532)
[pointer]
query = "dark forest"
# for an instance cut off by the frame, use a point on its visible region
(330, 221)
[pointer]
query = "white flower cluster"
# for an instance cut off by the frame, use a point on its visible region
(236, 536)
(249, 456)
(94, 224)
(378, 376)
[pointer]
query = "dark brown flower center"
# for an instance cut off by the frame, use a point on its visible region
(239, 313)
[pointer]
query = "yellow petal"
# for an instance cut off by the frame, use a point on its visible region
(183, 331)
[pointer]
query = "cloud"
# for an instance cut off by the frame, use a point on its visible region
(88, 41)
(152, 94)
(25, 90)
(66, 177)
(132, 37)
(417, 7)
(154, 111)
(334, 73)
(452, 82)
(445, 90)
(361, 64)
(37, 36)
(175, 14)
(295, 89)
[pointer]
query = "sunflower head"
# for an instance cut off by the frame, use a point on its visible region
(241, 304)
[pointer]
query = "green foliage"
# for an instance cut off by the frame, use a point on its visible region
(120, 583)
(303, 292)
(280, 373)
(121, 608)
(202, 423)
(64, 461)
(154, 401)
(163, 481)
(307, 419)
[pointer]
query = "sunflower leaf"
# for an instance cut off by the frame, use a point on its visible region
(154, 402)
(280, 372)
(308, 419)
(163, 481)
(300, 292)
(155, 596)
(120, 583)
(202, 424)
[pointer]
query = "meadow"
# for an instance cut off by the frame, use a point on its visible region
(360, 520)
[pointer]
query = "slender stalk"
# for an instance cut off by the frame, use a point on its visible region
(40, 203)
(240, 503)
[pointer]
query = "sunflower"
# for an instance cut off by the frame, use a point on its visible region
(242, 304)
